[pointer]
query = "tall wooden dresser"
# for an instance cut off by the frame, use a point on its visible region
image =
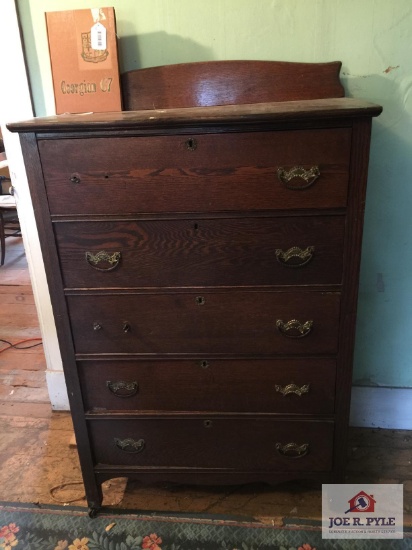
(202, 252)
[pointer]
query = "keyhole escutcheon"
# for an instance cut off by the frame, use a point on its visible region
(191, 144)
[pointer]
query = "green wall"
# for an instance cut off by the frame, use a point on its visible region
(373, 39)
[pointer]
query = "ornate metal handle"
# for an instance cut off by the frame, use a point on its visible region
(294, 328)
(308, 176)
(292, 388)
(295, 256)
(123, 389)
(130, 445)
(103, 257)
(292, 450)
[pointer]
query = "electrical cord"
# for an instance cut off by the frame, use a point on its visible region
(62, 486)
(17, 344)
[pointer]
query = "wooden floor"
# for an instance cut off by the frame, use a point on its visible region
(36, 455)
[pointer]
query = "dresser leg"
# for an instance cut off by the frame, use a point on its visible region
(94, 496)
(93, 512)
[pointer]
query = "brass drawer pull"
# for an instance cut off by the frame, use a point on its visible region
(127, 327)
(103, 257)
(294, 328)
(293, 450)
(130, 445)
(308, 176)
(295, 256)
(123, 389)
(292, 388)
(97, 326)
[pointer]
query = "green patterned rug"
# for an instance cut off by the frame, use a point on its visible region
(27, 527)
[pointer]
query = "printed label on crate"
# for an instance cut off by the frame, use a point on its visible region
(83, 54)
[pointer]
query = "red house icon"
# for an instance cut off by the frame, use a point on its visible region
(362, 502)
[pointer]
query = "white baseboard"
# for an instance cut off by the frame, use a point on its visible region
(56, 386)
(375, 407)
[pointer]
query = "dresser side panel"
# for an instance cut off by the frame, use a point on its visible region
(351, 263)
(52, 267)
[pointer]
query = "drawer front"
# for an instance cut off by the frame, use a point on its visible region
(276, 385)
(237, 443)
(211, 172)
(234, 322)
(201, 252)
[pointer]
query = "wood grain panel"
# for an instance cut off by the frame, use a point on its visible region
(237, 385)
(228, 322)
(200, 252)
(249, 444)
(228, 82)
(224, 172)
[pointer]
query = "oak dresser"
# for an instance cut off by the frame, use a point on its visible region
(202, 252)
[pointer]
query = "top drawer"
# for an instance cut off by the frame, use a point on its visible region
(209, 172)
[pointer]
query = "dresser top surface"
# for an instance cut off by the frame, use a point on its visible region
(264, 113)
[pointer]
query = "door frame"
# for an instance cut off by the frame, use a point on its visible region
(15, 105)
